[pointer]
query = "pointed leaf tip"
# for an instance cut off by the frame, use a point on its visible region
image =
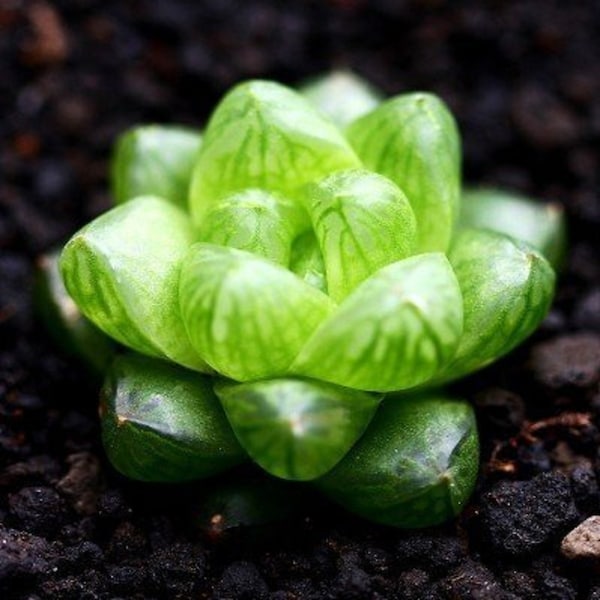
(293, 428)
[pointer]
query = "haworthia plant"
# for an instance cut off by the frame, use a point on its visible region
(316, 270)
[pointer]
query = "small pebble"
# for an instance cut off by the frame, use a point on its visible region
(569, 360)
(583, 541)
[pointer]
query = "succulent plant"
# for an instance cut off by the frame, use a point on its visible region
(294, 285)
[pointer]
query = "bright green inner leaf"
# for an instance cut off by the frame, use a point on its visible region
(413, 140)
(362, 222)
(255, 221)
(393, 332)
(264, 135)
(247, 316)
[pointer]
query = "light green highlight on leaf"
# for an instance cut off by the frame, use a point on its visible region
(395, 331)
(363, 222)
(161, 422)
(247, 316)
(415, 466)
(413, 139)
(507, 288)
(342, 95)
(154, 160)
(122, 270)
(255, 221)
(542, 226)
(264, 135)
(293, 428)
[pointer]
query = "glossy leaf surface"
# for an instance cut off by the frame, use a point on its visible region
(393, 332)
(362, 222)
(161, 422)
(264, 135)
(294, 428)
(413, 140)
(69, 328)
(507, 289)
(255, 221)
(246, 316)
(541, 225)
(415, 466)
(342, 95)
(154, 160)
(122, 270)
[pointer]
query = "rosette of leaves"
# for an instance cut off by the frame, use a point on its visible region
(293, 286)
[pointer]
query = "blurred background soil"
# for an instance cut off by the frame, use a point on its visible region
(524, 81)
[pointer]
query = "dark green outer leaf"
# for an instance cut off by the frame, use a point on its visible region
(415, 466)
(161, 422)
(413, 140)
(507, 289)
(154, 160)
(541, 225)
(293, 428)
(231, 503)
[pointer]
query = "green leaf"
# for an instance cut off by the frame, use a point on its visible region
(540, 225)
(264, 135)
(122, 270)
(64, 321)
(307, 261)
(342, 95)
(255, 221)
(233, 503)
(163, 423)
(154, 160)
(507, 289)
(363, 222)
(395, 331)
(246, 316)
(296, 429)
(415, 466)
(413, 140)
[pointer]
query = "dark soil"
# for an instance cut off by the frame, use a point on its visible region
(524, 80)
